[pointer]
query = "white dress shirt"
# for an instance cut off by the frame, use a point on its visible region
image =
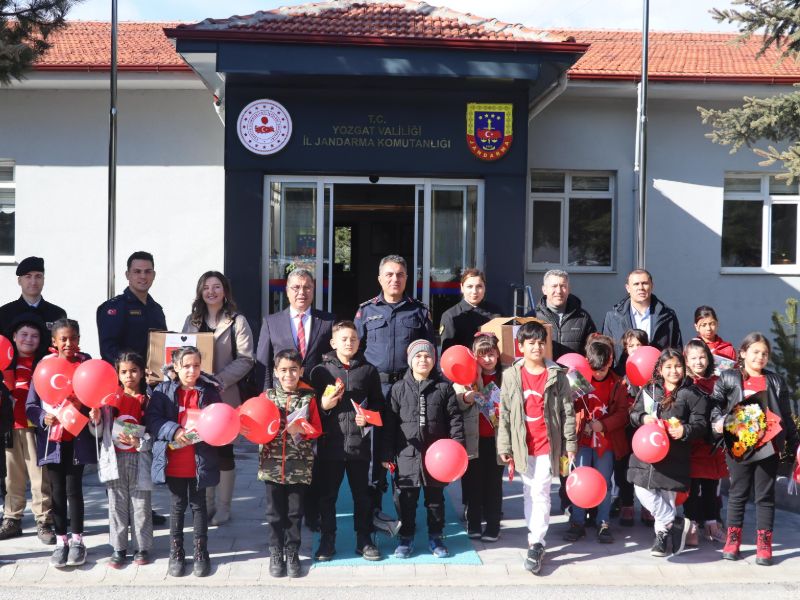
(306, 324)
(641, 320)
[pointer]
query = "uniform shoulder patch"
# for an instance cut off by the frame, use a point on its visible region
(111, 312)
(368, 302)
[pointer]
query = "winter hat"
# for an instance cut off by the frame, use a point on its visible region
(418, 346)
(27, 265)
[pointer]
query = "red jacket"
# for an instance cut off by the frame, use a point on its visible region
(720, 347)
(615, 421)
(706, 462)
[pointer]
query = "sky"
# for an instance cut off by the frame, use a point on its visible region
(676, 15)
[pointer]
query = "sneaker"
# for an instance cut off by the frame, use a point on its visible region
(59, 557)
(77, 554)
(678, 532)
(277, 564)
(574, 533)
(177, 559)
(534, 559)
(118, 558)
(45, 533)
(764, 547)
(437, 547)
(660, 544)
(692, 536)
(732, 543)
(292, 562)
(490, 535)
(326, 549)
(604, 534)
(11, 528)
(715, 533)
(626, 516)
(405, 548)
(383, 522)
(142, 557)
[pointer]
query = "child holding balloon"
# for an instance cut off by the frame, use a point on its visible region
(62, 453)
(536, 427)
(668, 402)
(125, 463)
(186, 465)
(482, 484)
(756, 469)
(707, 462)
(421, 410)
(285, 464)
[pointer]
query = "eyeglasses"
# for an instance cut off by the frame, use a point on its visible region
(298, 288)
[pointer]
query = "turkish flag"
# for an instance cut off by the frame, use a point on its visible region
(773, 428)
(70, 417)
(373, 417)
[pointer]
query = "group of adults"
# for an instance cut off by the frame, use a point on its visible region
(386, 324)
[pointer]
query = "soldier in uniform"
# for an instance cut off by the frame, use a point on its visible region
(386, 325)
(123, 323)
(390, 321)
(30, 276)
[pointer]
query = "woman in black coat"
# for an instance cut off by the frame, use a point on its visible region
(461, 322)
(758, 469)
(672, 400)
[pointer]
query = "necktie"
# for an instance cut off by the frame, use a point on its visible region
(301, 335)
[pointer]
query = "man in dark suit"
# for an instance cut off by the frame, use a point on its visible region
(300, 327)
(303, 328)
(30, 276)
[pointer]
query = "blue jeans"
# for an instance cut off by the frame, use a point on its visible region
(587, 457)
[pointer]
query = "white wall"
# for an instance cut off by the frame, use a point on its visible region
(684, 220)
(170, 193)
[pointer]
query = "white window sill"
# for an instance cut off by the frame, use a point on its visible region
(8, 260)
(542, 268)
(773, 270)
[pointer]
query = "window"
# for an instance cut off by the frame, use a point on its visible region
(571, 220)
(7, 194)
(759, 224)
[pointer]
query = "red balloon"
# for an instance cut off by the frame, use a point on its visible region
(459, 365)
(575, 361)
(586, 487)
(446, 460)
(52, 379)
(6, 353)
(218, 424)
(640, 365)
(681, 497)
(650, 443)
(95, 383)
(259, 419)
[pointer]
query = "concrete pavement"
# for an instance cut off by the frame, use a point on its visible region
(240, 559)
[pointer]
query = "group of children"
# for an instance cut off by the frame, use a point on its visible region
(525, 418)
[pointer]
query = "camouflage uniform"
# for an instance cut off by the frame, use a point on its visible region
(282, 460)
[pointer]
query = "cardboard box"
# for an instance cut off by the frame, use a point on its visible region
(161, 344)
(505, 328)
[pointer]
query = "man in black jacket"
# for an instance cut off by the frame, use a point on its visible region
(571, 324)
(30, 276)
(643, 310)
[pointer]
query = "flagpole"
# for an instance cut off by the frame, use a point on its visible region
(641, 158)
(112, 155)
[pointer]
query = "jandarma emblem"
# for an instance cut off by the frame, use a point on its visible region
(264, 126)
(489, 129)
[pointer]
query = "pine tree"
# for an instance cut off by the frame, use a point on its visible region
(25, 27)
(786, 353)
(776, 119)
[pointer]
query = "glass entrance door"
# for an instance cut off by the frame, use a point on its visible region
(301, 230)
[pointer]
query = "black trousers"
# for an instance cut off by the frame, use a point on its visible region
(621, 479)
(483, 487)
(434, 503)
(66, 490)
(226, 458)
(331, 474)
(701, 505)
(184, 492)
(284, 514)
(759, 477)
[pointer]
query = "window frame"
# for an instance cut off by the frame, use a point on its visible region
(10, 185)
(564, 199)
(768, 201)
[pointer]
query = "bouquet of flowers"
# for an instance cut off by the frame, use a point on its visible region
(746, 425)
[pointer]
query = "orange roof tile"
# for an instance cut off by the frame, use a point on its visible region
(614, 55)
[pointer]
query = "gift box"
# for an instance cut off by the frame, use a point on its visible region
(505, 328)
(161, 344)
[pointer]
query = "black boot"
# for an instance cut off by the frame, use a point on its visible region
(292, 562)
(177, 558)
(277, 564)
(202, 562)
